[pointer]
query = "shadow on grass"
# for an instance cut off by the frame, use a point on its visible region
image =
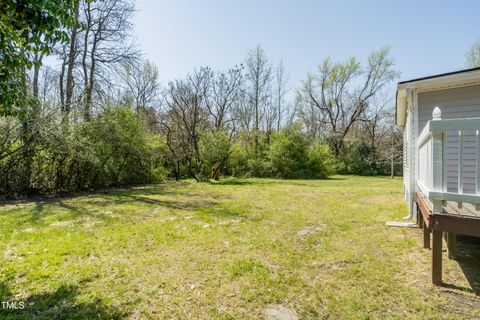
(152, 189)
(237, 182)
(155, 202)
(80, 209)
(59, 304)
(468, 258)
(259, 181)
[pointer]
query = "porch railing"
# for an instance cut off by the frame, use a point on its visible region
(432, 160)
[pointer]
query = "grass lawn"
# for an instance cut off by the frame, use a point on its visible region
(228, 250)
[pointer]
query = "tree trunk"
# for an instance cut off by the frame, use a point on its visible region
(87, 77)
(392, 173)
(36, 71)
(216, 172)
(61, 87)
(70, 66)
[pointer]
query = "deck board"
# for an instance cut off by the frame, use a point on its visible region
(451, 207)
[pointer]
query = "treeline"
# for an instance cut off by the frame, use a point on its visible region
(97, 116)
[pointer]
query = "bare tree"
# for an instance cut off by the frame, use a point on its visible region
(310, 117)
(186, 117)
(106, 45)
(36, 73)
(259, 77)
(270, 114)
(243, 113)
(142, 82)
(340, 103)
(281, 81)
(68, 53)
(377, 119)
(48, 86)
(225, 90)
(70, 61)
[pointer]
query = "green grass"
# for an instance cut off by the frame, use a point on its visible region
(226, 250)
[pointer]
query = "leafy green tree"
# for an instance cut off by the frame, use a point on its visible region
(28, 28)
(473, 55)
(362, 159)
(291, 156)
(214, 152)
(121, 147)
(342, 93)
(288, 153)
(321, 162)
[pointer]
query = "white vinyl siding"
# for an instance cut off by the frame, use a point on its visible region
(406, 164)
(463, 102)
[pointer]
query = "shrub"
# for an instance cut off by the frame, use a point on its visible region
(288, 153)
(360, 158)
(237, 163)
(291, 156)
(321, 162)
(214, 151)
(244, 161)
(113, 149)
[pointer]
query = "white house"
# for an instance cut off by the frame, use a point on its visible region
(441, 118)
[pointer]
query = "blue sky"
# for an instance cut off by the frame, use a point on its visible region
(425, 37)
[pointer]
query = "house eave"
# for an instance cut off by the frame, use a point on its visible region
(431, 83)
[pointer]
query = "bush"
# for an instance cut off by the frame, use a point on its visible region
(112, 150)
(291, 156)
(360, 158)
(214, 150)
(321, 162)
(244, 161)
(237, 163)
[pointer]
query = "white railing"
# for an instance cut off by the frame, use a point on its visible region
(432, 160)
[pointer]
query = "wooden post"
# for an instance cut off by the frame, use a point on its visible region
(437, 257)
(420, 222)
(451, 245)
(426, 236)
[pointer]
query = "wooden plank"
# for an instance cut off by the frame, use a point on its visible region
(452, 245)
(426, 213)
(467, 225)
(420, 222)
(437, 257)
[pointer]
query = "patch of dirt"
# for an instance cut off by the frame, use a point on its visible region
(378, 199)
(333, 265)
(167, 219)
(280, 312)
(311, 229)
(89, 224)
(65, 223)
(227, 222)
